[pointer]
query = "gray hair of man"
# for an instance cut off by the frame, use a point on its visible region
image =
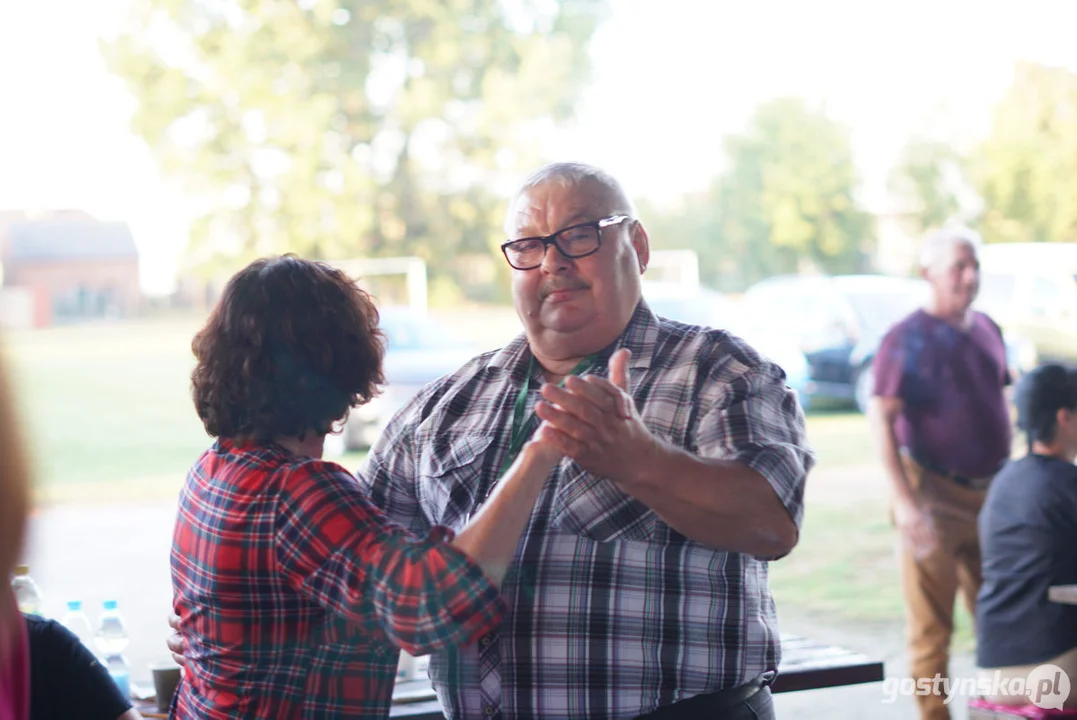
(939, 245)
(568, 175)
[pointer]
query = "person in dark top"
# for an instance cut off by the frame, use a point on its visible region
(942, 425)
(1028, 539)
(67, 681)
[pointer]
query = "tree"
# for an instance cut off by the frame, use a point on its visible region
(790, 193)
(343, 128)
(786, 200)
(1026, 170)
(688, 222)
(926, 182)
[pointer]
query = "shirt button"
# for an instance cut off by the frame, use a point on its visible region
(486, 643)
(488, 710)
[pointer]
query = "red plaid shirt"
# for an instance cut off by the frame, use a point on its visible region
(293, 589)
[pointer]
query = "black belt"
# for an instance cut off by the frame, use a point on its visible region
(972, 483)
(704, 706)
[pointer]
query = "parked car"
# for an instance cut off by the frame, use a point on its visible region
(418, 351)
(837, 322)
(1030, 290)
(713, 309)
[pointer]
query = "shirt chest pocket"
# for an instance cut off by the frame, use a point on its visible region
(451, 479)
(593, 507)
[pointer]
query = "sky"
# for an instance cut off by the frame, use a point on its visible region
(669, 79)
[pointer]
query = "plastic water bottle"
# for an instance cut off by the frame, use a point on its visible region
(403, 667)
(121, 673)
(412, 667)
(76, 621)
(111, 640)
(27, 594)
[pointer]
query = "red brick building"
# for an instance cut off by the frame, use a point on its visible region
(77, 267)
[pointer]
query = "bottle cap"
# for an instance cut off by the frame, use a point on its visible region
(110, 604)
(74, 605)
(21, 570)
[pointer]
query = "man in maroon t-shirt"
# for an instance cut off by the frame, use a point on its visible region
(942, 423)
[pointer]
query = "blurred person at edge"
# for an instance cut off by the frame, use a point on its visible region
(640, 585)
(14, 509)
(942, 427)
(46, 673)
(1028, 539)
(294, 591)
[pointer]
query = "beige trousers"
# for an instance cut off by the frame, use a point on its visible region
(930, 584)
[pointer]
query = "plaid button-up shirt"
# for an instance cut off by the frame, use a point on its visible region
(290, 586)
(611, 612)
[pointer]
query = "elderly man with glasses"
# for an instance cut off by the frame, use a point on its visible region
(640, 585)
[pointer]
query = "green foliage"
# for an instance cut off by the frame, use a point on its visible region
(786, 200)
(790, 194)
(1026, 171)
(344, 128)
(690, 222)
(924, 182)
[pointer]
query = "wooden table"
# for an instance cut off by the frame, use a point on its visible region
(810, 665)
(806, 665)
(1066, 594)
(148, 709)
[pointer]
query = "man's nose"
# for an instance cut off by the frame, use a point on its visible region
(553, 261)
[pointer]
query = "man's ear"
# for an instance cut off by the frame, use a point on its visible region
(1064, 418)
(642, 245)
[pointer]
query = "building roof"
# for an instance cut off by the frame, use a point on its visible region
(68, 239)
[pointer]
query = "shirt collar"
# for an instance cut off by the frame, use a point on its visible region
(641, 337)
(513, 355)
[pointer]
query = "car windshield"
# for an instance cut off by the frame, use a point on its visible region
(878, 310)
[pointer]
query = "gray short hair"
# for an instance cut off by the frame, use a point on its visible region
(571, 174)
(943, 241)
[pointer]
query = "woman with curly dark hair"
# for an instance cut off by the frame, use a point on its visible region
(293, 591)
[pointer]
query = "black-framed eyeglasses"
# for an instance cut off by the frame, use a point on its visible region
(575, 241)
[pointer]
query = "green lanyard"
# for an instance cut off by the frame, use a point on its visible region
(519, 425)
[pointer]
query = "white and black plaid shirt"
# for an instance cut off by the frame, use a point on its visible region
(612, 613)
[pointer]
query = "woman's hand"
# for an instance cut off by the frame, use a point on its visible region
(542, 448)
(175, 642)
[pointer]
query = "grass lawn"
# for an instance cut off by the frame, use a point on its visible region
(840, 438)
(844, 569)
(110, 419)
(109, 409)
(108, 403)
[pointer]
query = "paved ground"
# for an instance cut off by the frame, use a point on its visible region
(98, 552)
(884, 641)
